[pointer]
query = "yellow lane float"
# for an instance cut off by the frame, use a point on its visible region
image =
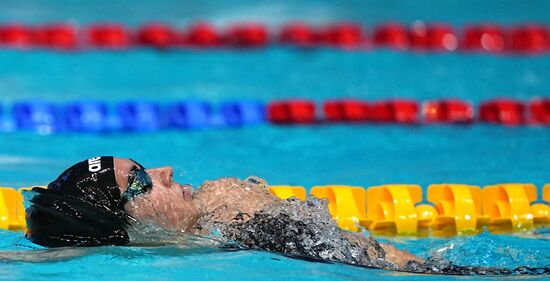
(508, 206)
(391, 208)
(458, 208)
(541, 209)
(426, 215)
(287, 191)
(12, 213)
(346, 204)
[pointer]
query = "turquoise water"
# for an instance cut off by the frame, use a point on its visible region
(303, 155)
(18, 261)
(276, 12)
(306, 155)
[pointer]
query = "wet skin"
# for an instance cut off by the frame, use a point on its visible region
(177, 207)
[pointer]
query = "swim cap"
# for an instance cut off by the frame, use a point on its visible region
(80, 208)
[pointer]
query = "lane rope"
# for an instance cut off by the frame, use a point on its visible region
(47, 117)
(419, 36)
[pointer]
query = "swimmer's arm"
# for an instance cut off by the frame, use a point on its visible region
(398, 257)
(392, 255)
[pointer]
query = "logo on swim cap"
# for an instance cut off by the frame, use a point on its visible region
(94, 164)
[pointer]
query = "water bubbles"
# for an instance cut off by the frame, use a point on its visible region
(154, 235)
(485, 249)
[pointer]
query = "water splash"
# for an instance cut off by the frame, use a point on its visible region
(149, 235)
(485, 249)
(304, 229)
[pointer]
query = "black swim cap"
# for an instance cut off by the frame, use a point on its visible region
(80, 208)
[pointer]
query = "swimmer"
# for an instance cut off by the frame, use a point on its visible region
(99, 200)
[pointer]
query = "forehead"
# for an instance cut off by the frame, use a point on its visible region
(126, 164)
(123, 164)
(122, 167)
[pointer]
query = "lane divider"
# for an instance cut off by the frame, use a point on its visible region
(146, 116)
(392, 208)
(12, 212)
(395, 209)
(449, 209)
(420, 36)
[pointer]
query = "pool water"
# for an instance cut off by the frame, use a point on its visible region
(303, 155)
(20, 261)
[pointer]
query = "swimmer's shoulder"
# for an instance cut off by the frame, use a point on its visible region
(227, 185)
(229, 197)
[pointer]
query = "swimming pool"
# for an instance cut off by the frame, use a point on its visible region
(304, 155)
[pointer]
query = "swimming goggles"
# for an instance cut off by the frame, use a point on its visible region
(139, 182)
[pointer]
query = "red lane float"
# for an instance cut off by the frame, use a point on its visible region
(381, 112)
(419, 37)
(432, 37)
(523, 39)
(531, 39)
(109, 36)
(487, 38)
(504, 111)
(346, 110)
(392, 35)
(539, 111)
(57, 36)
(398, 111)
(440, 37)
(345, 35)
(448, 111)
(16, 36)
(156, 35)
(203, 35)
(298, 33)
(247, 35)
(292, 111)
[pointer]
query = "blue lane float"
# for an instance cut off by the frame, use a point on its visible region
(140, 116)
(190, 115)
(239, 113)
(40, 116)
(86, 116)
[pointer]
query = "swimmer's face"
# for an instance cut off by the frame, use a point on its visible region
(167, 204)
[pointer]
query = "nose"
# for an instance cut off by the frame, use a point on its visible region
(161, 176)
